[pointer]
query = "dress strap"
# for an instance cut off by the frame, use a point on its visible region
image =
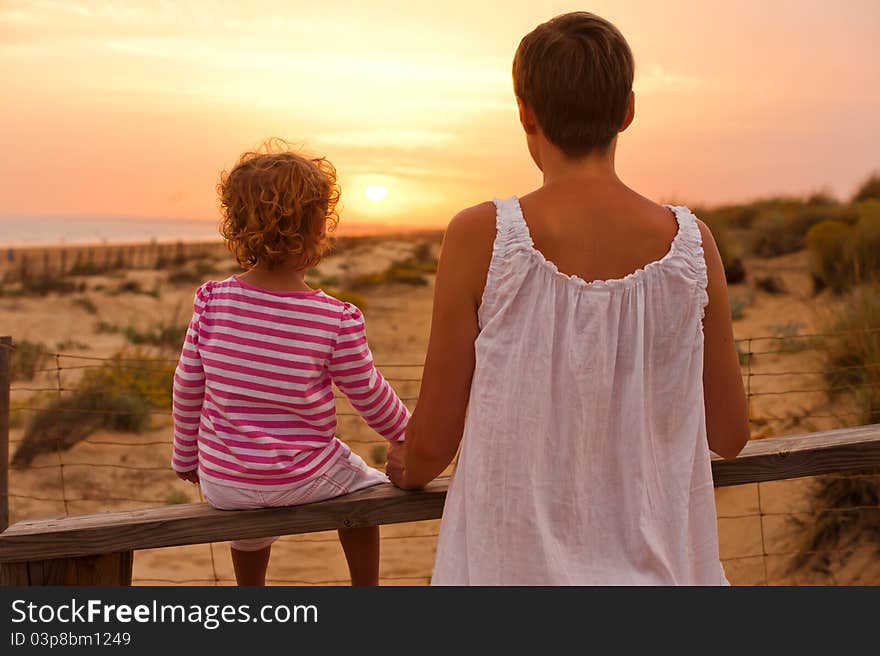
(512, 229)
(690, 243)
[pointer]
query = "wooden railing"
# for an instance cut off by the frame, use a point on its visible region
(98, 549)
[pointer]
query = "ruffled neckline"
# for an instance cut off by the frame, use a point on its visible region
(681, 214)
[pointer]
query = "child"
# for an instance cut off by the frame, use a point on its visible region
(581, 351)
(254, 410)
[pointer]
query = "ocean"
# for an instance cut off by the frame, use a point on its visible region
(16, 231)
(57, 230)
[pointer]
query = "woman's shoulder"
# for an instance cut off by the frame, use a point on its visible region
(473, 222)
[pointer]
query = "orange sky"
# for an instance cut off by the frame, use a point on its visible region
(133, 108)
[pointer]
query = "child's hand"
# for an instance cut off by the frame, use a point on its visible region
(394, 466)
(190, 476)
(394, 461)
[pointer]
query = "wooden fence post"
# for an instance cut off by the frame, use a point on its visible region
(5, 382)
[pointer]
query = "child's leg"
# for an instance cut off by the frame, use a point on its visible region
(250, 564)
(361, 547)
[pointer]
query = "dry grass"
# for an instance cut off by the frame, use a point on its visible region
(118, 396)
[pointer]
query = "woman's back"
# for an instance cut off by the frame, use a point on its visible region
(585, 458)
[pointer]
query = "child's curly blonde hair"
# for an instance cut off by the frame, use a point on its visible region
(278, 205)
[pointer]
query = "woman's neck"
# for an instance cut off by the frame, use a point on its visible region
(596, 167)
(283, 278)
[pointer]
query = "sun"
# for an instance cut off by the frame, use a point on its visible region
(376, 193)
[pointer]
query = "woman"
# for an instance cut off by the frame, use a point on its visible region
(586, 409)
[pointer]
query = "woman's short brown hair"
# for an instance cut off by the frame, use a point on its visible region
(277, 205)
(575, 72)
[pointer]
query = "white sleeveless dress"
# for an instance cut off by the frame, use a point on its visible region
(584, 459)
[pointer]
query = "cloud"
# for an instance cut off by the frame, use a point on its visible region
(382, 138)
(656, 79)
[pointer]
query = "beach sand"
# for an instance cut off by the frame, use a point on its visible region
(753, 519)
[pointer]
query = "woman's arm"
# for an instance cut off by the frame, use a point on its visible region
(727, 410)
(436, 427)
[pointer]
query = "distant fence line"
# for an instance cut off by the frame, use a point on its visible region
(22, 263)
(18, 263)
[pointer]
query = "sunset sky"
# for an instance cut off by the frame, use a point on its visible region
(133, 108)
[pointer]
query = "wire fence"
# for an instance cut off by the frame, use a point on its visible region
(793, 385)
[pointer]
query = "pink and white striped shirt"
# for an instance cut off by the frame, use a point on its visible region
(253, 397)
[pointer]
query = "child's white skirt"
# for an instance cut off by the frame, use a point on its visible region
(348, 474)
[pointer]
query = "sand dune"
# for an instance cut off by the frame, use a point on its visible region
(398, 321)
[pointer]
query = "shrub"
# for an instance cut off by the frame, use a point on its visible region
(86, 304)
(176, 497)
(161, 334)
(734, 270)
(423, 257)
(106, 327)
(165, 261)
(204, 269)
(71, 344)
(867, 241)
(822, 197)
(117, 396)
(71, 419)
(406, 274)
(788, 341)
(368, 280)
(869, 189)
(27, 357)
(128, 287)
(770, 284)
(738, 305)
(848, 506)
(848, 515)
(136, 372)
(744, 215)
(853, 351)
(841, 255)
(45, 285)
(829, 245)
(736, 216)
(777, 232)
(134, 287)
(16, 417)
(378, 454)
(423, 252)
(82, 268)
(184, 277)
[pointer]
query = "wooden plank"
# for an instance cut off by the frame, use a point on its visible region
(14, 574)
(198, 523)
(103, 569)
(5, 382)
(762, 460)
(771, 459)
(52, 572)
